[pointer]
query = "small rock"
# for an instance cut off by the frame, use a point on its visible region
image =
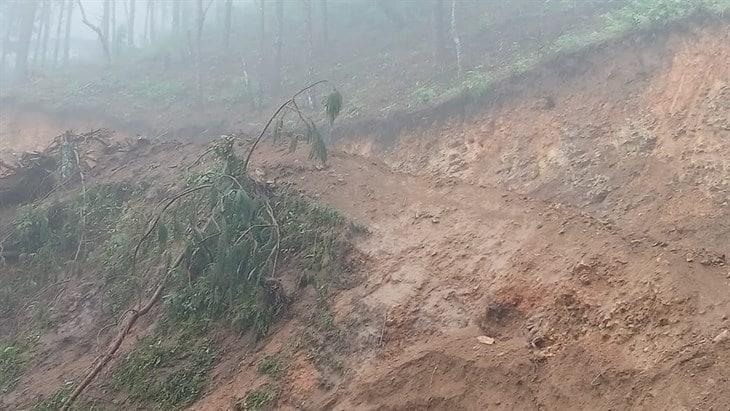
(723, 336)
(485, 340)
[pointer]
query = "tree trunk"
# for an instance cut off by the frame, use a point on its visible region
(325, 29)
(457, 41)
(279, 45)
(227, 24)
(99, 33)
(200, 21)
(439, 44)
(130, 28)
(46, 33)
(27, 21)
(11, 16)
(262, 52)
(113, 29)
(41, 30)
(176, 16)
(152, 21)
(310, 48)
(105, 21)
(57, 44)
(67, 39)
(145, 30)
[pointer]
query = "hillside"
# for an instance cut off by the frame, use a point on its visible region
(557, 241)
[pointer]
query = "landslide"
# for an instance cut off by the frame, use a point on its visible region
(562, 245)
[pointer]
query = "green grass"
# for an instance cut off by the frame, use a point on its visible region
(270, 365)
(166, 371)
(257, 399)
(47, 236)
(13, 358)
(632, 16)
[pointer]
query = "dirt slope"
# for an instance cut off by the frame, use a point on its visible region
(582, 224)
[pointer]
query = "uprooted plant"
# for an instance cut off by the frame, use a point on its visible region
(220, 240)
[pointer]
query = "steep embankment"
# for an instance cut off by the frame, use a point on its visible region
(559, 246)
(581, 220)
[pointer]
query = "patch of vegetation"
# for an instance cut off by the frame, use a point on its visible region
(13, 358)
(55, 401)
(257, 399)
(166, 370)
(257, 229)
(48, 236)
(635, 15)
(324, 341)
(270, 365)
(631, 16)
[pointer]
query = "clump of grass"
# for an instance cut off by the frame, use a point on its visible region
(167, 371)
(257, 399)
(270, 365)
(55, 401)
(635, 15)
(12, 364)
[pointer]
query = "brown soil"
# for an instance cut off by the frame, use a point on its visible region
(582, 223)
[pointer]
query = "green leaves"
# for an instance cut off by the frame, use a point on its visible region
(333, 105)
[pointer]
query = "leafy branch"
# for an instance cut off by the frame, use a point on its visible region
(333, 105)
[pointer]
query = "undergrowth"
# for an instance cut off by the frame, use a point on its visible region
(633, 15)
(234, 238)
(166, 370)
(257, 399)
(14, 356)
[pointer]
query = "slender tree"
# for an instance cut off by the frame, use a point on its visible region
(99, 32)
(130, 24)
(457, 40)
(437, 25)
(10, 20)
(153, 26)
(105, 17)
(27, 13)
(67, 37)
(113, 39)
(46, 32)
(145, 28)
(262, 51)
(227, 24)
(41, 30)
(57, 43)
(310, 47)
(325, 28)
(278, 47)
(176, 16)
(200, 23)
